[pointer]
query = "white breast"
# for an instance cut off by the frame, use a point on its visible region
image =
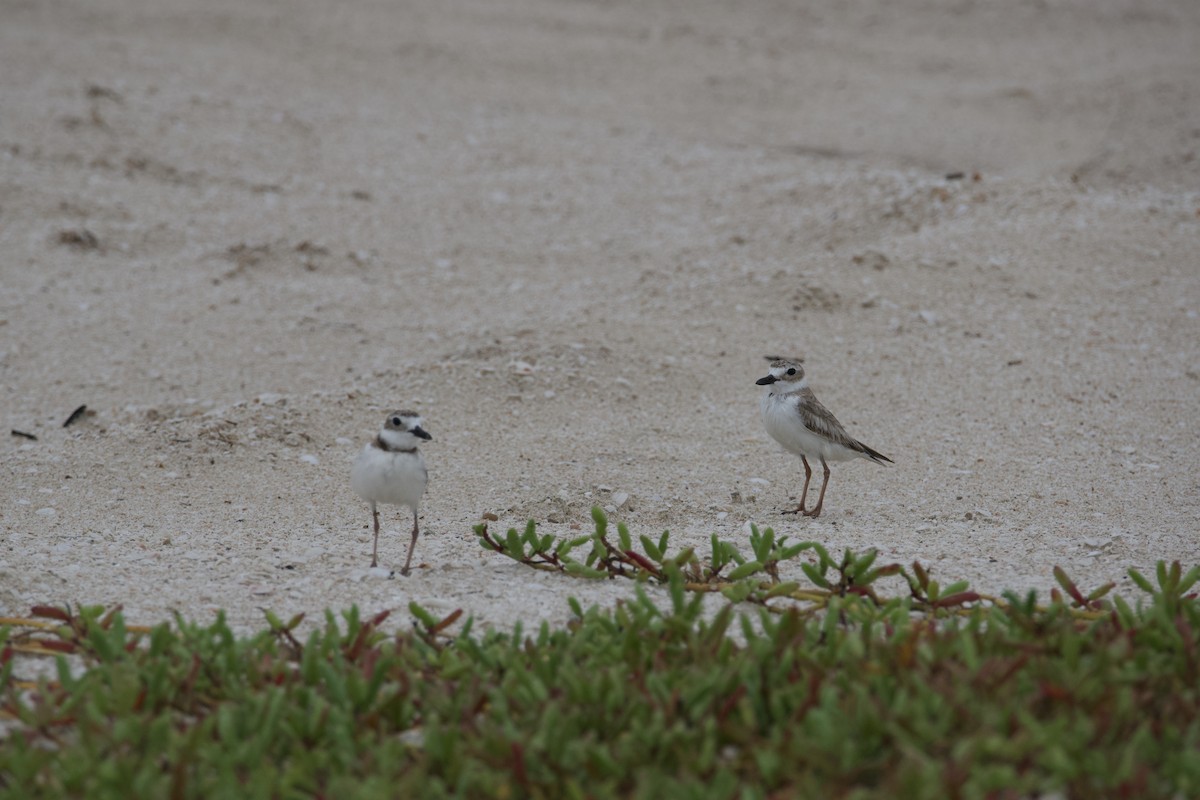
(393, 478)
(786, 426)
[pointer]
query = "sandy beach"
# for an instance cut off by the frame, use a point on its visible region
(567, 233)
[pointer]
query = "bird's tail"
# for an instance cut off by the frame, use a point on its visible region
(874, 455)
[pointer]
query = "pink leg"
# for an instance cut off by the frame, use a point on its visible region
(375, 549)
(816, 510)
(411, 545)
(804, 492)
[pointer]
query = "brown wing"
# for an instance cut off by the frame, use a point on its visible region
(821, 421)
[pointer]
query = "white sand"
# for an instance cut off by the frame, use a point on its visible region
(306, 213)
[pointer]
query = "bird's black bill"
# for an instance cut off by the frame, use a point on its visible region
(420, 432)
(767, 381)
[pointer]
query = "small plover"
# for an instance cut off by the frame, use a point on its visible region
(797, 420)
(390, 469)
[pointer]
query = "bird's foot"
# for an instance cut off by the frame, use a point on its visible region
(404, 571)
(796, 510)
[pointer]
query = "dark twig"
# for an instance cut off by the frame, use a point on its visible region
(75, 415)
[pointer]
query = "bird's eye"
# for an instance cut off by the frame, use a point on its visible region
(791, 371)
(396, 421)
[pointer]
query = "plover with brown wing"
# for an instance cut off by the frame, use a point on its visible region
(391, 470)
(797, 420)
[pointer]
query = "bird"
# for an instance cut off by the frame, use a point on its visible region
(795, 418)
(390, 469)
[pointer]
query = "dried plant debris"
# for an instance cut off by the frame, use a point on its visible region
(872, 258)
(24, 435)
(245, 257)
(78, 414)
(138, 165)
(814, 297)
(80, 239)
(97, 92)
